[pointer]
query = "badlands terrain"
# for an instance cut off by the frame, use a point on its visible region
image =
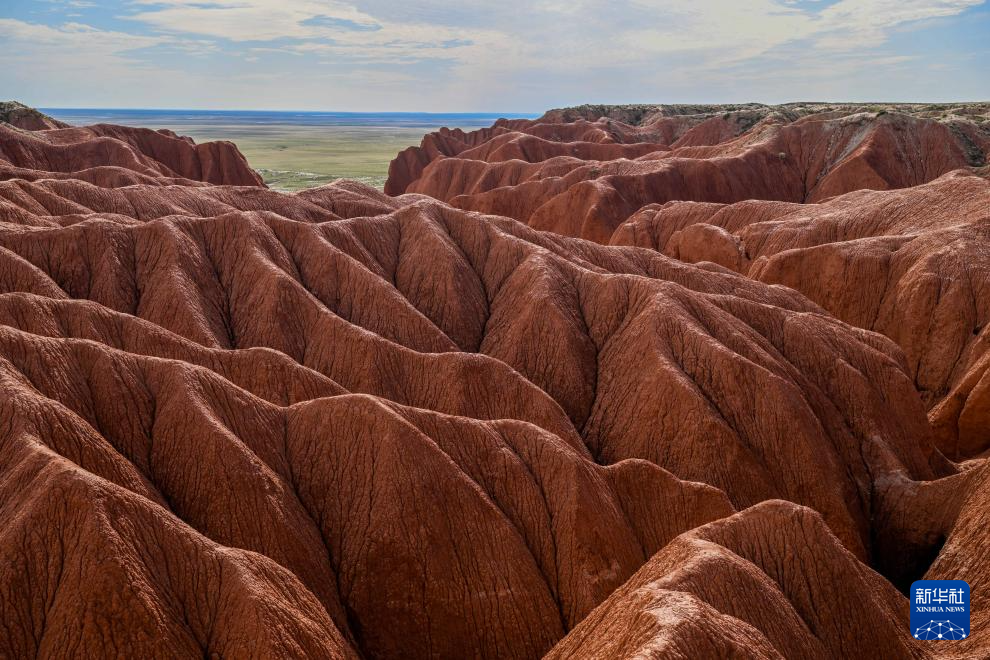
(622, 381)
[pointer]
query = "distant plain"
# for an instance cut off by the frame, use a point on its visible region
(297, 150)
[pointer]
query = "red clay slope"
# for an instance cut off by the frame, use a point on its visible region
(341, 424)
(752, 585)
(583, 179)
(913, 264)
(21, 116)
(113, 156)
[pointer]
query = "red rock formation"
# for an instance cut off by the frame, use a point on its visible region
(21, 116)
(113, 156)
(756, 585)
(587, 190)
(343, 424)
(912, 264)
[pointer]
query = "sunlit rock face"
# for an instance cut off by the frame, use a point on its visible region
(342, 423)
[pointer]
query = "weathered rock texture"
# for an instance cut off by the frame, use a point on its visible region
(583, 171)
(114, 156)
(752, 585)
(341, 424)
(21, 116)
(913, 264)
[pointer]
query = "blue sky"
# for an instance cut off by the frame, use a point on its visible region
(486, 55)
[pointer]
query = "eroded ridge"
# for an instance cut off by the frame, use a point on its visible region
(583, 171)
(345, 424)
(913, 264)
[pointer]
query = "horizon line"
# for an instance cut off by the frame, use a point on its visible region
(339, 112)
(517, 112)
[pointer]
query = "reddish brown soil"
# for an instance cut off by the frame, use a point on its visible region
(240, 423)
(912, 264)
(584, 178)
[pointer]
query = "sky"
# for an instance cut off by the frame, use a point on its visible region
(488, 55)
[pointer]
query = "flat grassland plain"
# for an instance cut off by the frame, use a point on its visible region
(297, 150)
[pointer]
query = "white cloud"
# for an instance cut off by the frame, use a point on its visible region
(552, 35)
(69, 46)
(470, 53)
(250, 20)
